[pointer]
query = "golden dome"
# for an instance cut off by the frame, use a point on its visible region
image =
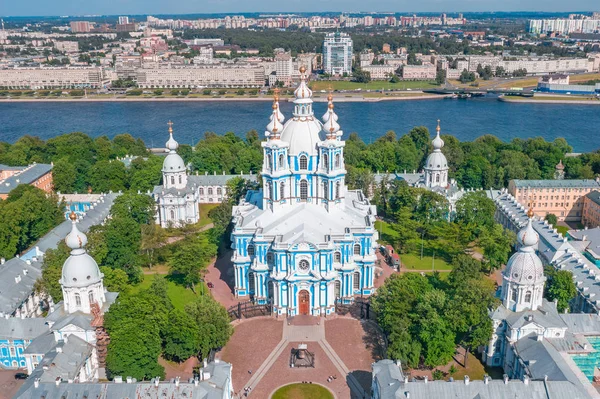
(302, 69)
(73, 216)
(530, 212)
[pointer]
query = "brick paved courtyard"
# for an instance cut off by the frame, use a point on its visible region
(341, 345)
(251, 343)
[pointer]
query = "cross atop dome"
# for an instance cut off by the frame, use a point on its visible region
(171, 144)
(437, 142)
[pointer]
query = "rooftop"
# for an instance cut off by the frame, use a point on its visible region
(559, 183)
(26, 176)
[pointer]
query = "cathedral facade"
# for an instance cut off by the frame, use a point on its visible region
(304, 241)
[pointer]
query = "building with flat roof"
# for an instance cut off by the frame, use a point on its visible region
(563, 198)
(380, 72)
(80, 26)
(38, 175)
(591, 209)
(337, 53)
(193, 76)
(426, 71)
(52, 78)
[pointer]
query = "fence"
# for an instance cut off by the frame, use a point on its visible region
(248, 309)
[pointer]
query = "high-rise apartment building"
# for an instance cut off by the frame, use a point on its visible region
(80, 26)
(337, 53)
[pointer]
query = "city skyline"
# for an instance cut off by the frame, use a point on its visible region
(66, 7)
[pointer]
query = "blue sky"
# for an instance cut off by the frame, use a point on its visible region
(81, 7)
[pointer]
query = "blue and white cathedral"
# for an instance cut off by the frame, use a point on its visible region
(304, 241)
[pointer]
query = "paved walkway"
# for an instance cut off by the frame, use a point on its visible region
(305, 333)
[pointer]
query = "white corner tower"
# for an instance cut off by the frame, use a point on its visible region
(174, 171)
(436, 166)
(523, 279)
(81, 280)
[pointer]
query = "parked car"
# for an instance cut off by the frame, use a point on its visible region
(21, 376)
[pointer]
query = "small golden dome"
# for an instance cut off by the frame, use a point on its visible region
(330, 106)
(302, 69)
(530, 212)
(73, 216)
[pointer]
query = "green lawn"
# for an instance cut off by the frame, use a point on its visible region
(179, 295)
(412, 261)
(318, 85)
(204, 209)
(386, 233)
(302, 391)
(562, 230)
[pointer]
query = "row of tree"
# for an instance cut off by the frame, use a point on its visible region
(25, 216)
(424, 317)
(145, 325)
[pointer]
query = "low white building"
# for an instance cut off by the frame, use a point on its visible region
(51, 78)
(380, 72)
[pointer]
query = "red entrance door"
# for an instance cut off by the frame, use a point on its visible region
(303, 298)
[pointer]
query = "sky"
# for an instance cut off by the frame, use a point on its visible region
(124, 7)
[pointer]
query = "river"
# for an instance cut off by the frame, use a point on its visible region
(465, 119)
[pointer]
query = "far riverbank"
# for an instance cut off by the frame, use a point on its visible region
(348, 98)
(549, 99)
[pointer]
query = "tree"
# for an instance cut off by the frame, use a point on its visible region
(497, 243)
(551, 219)
(64, 176)
(475, 208)
(153, 237)
(52, 272)
(560, 287)
(134, 349)
(440, 77)
(181, 337)
(361, 76)
(123, 236)
(467, 76)
(115, 280)
(140, 207)
(500, 71)
(191, 259)
(212, 322)
(105, 176)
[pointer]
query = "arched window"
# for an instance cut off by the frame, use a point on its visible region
(201, 191)
(337, 257)
(269, 161)
(356, 249)
(179, 179)
(325, 190)
(172, 179)
(514, 295)
(271, 292)
(337, 190)
(281, 161)
(270, 258)
(437, 178)
(250, 250)
(219, 191)
(337, 160)
(528, 297)
(281, 191)
(172, 214)
(210, 191)
(337, 288)
(325, 160)
(77, 300)
(356, 282)
(91, 296)
(251, 281)
(303, 162)
(303, 190)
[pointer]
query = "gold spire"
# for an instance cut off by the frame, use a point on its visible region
(530, 213)
(170, 127)
(330, 95)
(437, 129)
(73, 216)
(276, 94)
